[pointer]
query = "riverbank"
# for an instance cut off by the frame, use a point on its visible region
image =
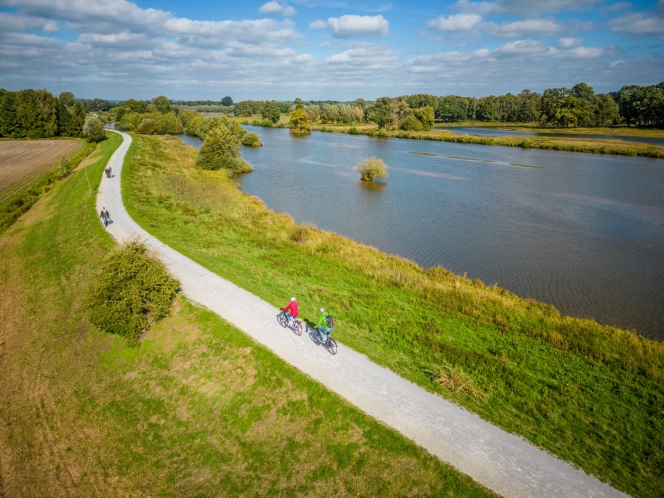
(560, 382)
(568, 144)
(617, 131)
(199, 409)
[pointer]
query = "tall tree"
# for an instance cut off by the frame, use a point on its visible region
(48, 105)
(29, 114)
(77, 119)
(162, 104)
(227, 101)
(10, 125)
(271, 111)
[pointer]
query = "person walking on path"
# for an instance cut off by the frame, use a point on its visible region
(105, 216)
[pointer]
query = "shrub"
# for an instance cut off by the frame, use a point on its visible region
(323, 128)
(148, 126)
(93, 129)
(128, 127)
(220, 151)
(251, 139)
(382, 132)
(131, 290)
(411, 123)
(64, 167)
(372, 168)
(526, 144)
(352, 131)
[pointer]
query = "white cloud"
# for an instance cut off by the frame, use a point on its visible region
(639, 24)
(352, 26)
(569, 42)
(274, 7)
(318, 24)
(457, 22)
(587, 52)
(521, 29)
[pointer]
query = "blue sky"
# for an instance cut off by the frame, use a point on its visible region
(327, 49)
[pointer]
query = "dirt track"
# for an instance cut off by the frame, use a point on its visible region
(23, 160)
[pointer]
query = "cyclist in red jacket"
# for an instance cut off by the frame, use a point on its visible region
(291, 309)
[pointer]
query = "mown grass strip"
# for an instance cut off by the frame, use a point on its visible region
(591, 394)
(199, 409)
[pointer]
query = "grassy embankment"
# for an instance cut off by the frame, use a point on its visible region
(562, 143)
(617, 130)
(591, 394)
(198, 410)
(11, 208)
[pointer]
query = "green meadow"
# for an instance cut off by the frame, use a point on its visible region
(197, 409)
(591, 394)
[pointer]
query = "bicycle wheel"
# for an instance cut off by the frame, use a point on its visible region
(297, 327)
(313, 335)
(331, 346)
(283, 321)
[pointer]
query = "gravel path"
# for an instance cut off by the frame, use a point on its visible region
(503, 462)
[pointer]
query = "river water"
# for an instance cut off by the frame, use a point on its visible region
(584, 232)
(495, 132)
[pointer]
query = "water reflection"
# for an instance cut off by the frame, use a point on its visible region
(584, 232)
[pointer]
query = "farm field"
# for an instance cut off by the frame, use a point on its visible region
(23, 160)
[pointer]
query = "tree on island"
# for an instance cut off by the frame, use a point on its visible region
(299, 123)
(220, 151)
(227, 101)
(372, 168)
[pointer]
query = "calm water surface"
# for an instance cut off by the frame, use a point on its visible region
(471, 130)
(583, 232)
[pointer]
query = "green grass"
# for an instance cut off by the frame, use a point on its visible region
(198, 409)
(592, 394)
(617, 130)
(24, 198)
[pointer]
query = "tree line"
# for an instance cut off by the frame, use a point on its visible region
(39, 114)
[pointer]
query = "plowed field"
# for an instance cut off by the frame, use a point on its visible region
(23, 160)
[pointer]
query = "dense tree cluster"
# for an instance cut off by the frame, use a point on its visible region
(396, 113)
(642, 105)
(39, 114)
(577, 106)
(94, 105)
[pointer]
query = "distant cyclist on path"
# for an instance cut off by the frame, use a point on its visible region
(325, 324)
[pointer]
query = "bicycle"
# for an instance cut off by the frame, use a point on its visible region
(329, 343)
(295, 325)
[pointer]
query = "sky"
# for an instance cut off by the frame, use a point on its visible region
(327, 49)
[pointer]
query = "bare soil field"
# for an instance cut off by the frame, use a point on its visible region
(23, 160)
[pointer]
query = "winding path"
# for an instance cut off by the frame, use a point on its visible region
(503, 462)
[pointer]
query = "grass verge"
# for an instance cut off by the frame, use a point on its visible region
(24, 198)
(197, 410)
(591, 394)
